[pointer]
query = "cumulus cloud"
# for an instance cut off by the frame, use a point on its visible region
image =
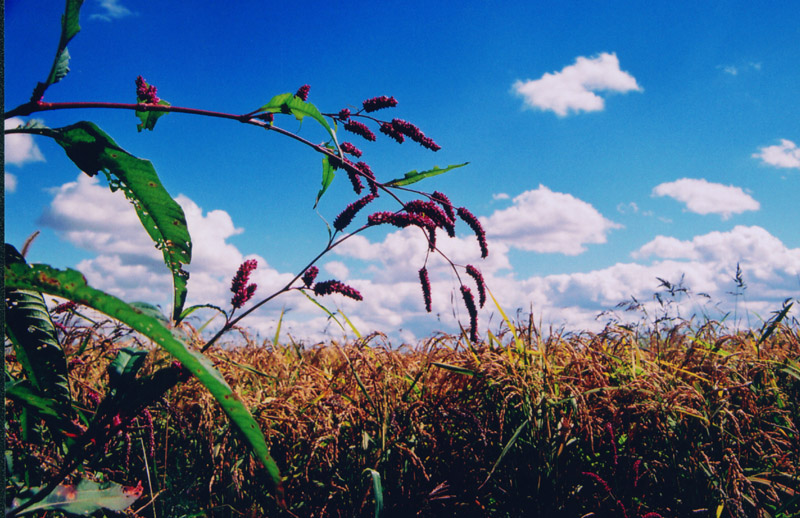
(111, 10)
(20, 148)
(785, 155)
(703, 197)
(573, 89)
(541, 220)
(9, 182)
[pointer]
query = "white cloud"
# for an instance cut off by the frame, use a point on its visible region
(703, 197)
(112, 10)
(9, 182)
(500, 196)
(20, 147)
(544, 221)
(786, 155)
(573, 88)
(628, 208)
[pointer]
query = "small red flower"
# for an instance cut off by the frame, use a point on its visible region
(302, 92)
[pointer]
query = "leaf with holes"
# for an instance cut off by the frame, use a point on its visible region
(71, 285)
(33, 335)
(93, 151)
(70, 26)
(86, 498)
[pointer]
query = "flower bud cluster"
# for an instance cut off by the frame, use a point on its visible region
(401, 219)
(346, 216)
(409, 130)
(242, 291)
(302, 92)
(476, 227)
(360, 129)
(469, 302)
(426, 288)
(476, 274)
(66, 306)
(310, 275)
(146, 93)
(333, 286)
(350, 149)
(429, 208)
(378, 103)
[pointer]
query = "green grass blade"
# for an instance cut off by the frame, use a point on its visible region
(70, 284)
(505, 451)
(377, 488)
(93, 151)
(454, 368)
(514, 333)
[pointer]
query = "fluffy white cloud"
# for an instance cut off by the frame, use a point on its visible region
(9, 182)
(541, 220)
(703, 197)
(19, 147)
(786, 155)
(573, 88)
(111, 10)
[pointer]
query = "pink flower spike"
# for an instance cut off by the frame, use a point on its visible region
(470, 219)
(476, 274)
(346, 216)
(351, 149)
(310, 275)
(378, 103)
(302, 93)
(426, 288)
(469, 301)
(360, 129)
(329, 287)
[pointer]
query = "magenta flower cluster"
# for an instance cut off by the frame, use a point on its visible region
(426, 288)
(401, 219)
(378, 103)
(146, 93)
(478, 277)
(470, 219)
(429, 208)
(409, 130)
(242, 291)
(350, 149)
(346, 216)
(302, 92)
(310, 275)
(332, 286)
(469, 301)
(360, 129)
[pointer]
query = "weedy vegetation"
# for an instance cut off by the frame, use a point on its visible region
(113, 408)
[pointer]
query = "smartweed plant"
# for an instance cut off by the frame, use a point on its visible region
(80, 434)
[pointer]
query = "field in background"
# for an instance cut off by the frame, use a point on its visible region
(686, 421)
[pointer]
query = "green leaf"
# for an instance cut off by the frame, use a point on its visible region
(149, 118)
(454, 368)
(290, 103)
(23, 393)
(92, 150)
(33, 335)
(123, 368)
(70, 26)
(70, 284)
(327, 177)
(377, 488)
(414, 176)
(85, 498)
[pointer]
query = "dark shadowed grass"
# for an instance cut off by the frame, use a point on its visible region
(683, 422)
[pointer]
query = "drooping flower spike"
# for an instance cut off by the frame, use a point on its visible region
(310, 275)
(470, 219)
(476, 274)
(346, 216)
(360, 129)
(469, 302)
(332, 286)
(302, 92)
(426, 288)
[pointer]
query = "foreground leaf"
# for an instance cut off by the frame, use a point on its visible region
(70, 284)
(415, 176)
(290, 103)
(33, 335)
(93, 151)
(85, 498)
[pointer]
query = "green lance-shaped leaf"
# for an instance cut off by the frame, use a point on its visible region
(70, 284)
(85, 498)
(415, 176)
(290, 103)
(92, 150)
(327, 177)
(33, 335)
(377, 489)
(70, 26)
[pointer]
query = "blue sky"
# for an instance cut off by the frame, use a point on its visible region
(609, 144)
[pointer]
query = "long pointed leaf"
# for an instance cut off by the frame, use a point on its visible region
(86, 498)
(70, 284)
(92, 150)
(33, 335)
(415, 176)
(70, 26)
(290, 103)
